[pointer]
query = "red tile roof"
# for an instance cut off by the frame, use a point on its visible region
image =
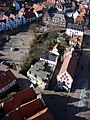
(31, 108)
(6, 78)
(24, 105)
(24, 96)
(26, 110)
(8, 105)
(14, 115)
(42, 115)
(19, 99)
(10, 75)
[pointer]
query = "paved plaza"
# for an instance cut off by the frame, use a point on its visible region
(21, 41)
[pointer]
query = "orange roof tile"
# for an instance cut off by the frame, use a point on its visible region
(69, 63)
(37, 7)
(12, 16)
(21, 11)
(5, 17)
(42, 115)
(80, 18)
(51, 1)
(76, 38)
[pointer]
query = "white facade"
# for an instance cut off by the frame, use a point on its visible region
(37, 80)
(52, 63)
(24, 20)
(71, 32)
(75, 15)
(2, 26)
(9, 24)
(64, 78)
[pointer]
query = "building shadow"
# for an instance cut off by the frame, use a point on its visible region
(62, 107)
(23, 28)
(23, 83)
(1, 54)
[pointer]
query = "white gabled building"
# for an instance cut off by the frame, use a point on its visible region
(67, 71)
(74, 29)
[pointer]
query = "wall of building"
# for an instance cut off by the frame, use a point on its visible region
(6, 87)
(70, 32)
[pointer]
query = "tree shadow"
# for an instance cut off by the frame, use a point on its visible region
(23, 28)
(1, 46)
(62, 108)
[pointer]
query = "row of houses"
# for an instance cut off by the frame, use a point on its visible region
(53, 14)
(13, 20)
(25, 105)
(63, 13)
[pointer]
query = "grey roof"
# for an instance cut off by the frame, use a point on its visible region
(49, 56)
(60, 16)
(41, 70)
(75, 26)
(62, 36)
